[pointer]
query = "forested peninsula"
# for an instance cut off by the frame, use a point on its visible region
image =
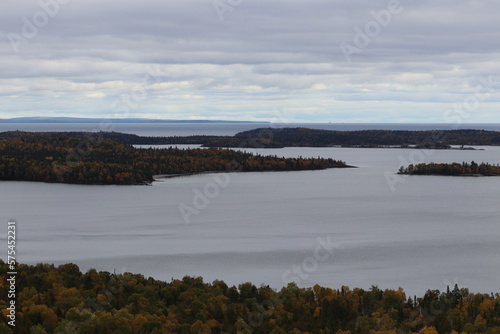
(62, 299)
(95, 158)
(451, 169)
(304, 137)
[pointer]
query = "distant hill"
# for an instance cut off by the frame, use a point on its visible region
(114, 120)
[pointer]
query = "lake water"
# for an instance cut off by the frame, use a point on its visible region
(423, 232)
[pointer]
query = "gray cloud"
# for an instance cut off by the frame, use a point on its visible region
(263, 55)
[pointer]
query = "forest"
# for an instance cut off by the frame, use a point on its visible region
(91, 159)
(304, 137)
(62, 299)
(452, 169)
(122, 138)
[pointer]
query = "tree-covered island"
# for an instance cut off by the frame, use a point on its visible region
(92, 158)
(451, 169)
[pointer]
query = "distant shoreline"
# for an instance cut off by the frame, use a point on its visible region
(58, 120)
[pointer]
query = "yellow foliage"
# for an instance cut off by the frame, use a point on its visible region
(67, 298)
(486, 308)
(48, 317)
(401, 294)
(330, 294)
(317, 312)
(212, 323)
(428, 330)
(101, 299)
(200, 328)
(132, 283)
(138, 322)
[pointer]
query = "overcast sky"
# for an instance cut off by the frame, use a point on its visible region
(288, 61)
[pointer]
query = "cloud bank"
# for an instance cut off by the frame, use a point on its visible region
(295, 60)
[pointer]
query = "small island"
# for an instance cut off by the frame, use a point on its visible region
(452, 169)
(91, 158)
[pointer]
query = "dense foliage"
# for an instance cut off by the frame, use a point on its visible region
(63, 300)
(454, 169)
(123, 138)
(91, 159)
(304, 137)
(281, 137)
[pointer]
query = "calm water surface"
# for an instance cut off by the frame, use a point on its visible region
(424, 233)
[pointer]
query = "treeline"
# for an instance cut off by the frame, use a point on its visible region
(453, 169)
(61, 299)
(123, 138)
(304, 137)
(60, 157)
(439, 139)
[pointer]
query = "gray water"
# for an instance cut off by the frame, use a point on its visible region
(425, 232)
